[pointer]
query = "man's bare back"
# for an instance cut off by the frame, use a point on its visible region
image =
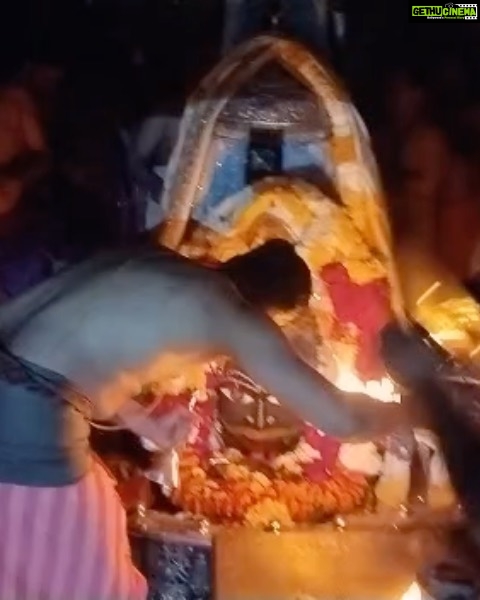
(111, 323)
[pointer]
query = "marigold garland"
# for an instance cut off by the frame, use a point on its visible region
(229, 496)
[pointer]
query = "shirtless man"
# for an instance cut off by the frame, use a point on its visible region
(82, 345)
(126, 312)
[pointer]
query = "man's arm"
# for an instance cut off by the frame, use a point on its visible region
(263, 352)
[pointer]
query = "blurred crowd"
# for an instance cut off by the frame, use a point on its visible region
(427, 142)
(66, 131)
(91, 95)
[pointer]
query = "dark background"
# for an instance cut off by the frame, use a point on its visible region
(185, 34)
(181, 39)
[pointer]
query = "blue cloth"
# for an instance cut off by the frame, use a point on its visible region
(228, 177)
(227, 193)
(306, 159)
(44, 428)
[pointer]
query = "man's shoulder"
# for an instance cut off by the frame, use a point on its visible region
(166, 268)
(160, 271)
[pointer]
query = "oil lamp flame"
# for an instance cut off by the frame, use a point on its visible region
(382, 390)
(413, 593)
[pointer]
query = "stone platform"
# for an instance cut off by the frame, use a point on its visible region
(364, 558)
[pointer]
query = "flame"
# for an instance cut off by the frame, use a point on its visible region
(382, 389)
(413, 593)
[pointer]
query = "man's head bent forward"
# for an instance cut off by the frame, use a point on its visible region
(272, 276)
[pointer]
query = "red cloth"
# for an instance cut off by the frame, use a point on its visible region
(366, 306)
(321, 469)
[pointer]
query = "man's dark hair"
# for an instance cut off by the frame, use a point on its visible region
(271, 276)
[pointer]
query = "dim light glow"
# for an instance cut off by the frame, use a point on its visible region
(382, 389)
(413, 593)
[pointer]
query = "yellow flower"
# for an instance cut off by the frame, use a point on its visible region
(266, 512)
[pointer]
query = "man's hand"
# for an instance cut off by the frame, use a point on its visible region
(410, 358)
